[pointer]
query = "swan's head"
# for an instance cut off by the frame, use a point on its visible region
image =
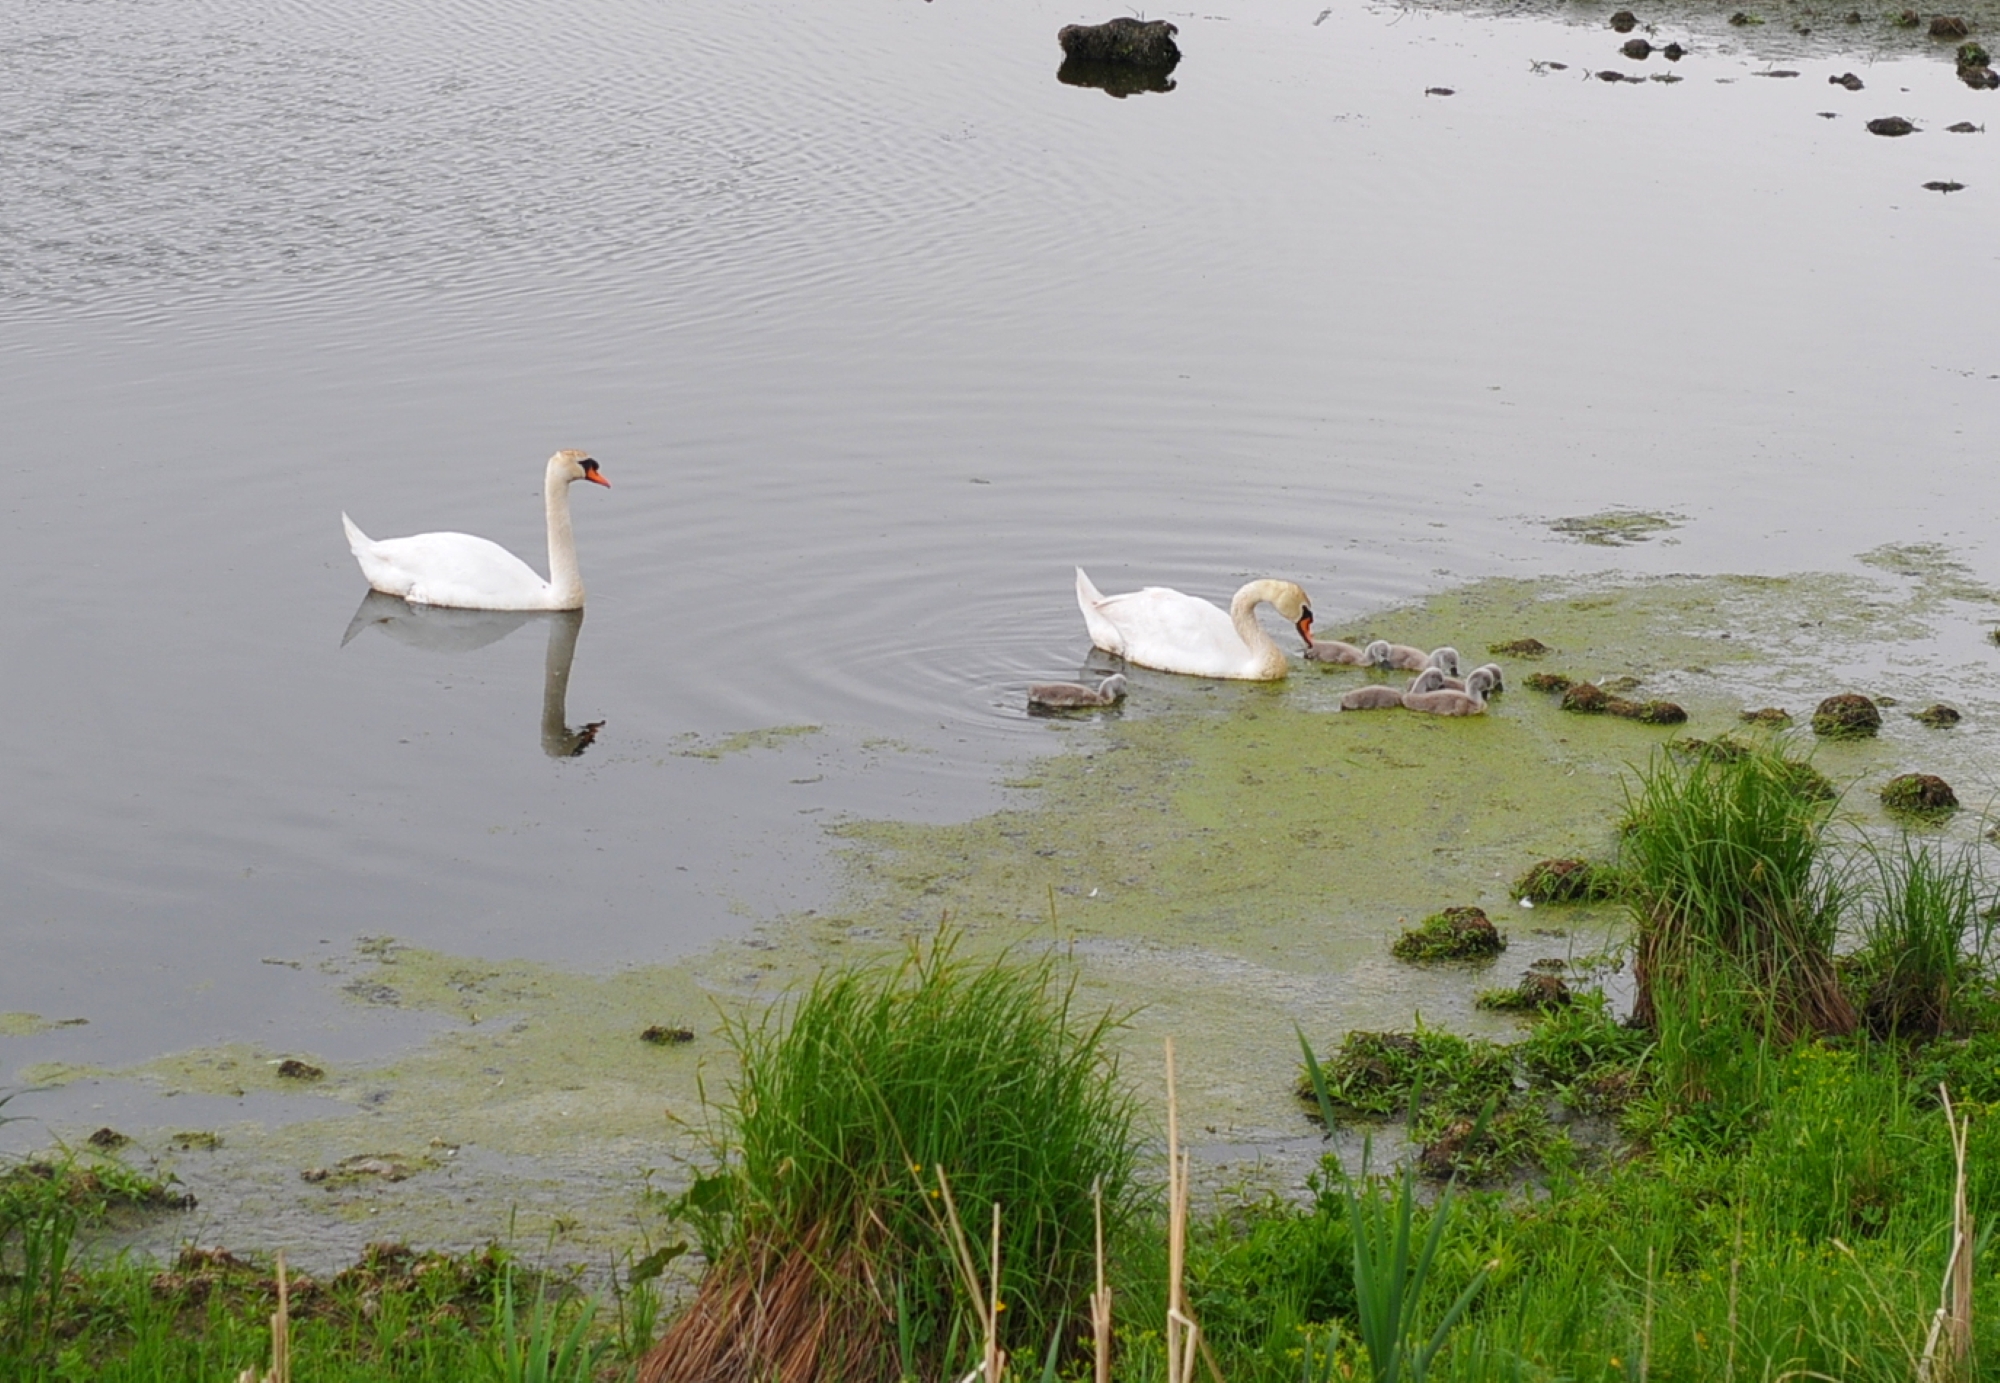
(1377, 653)
(1446, 658)
(1482, 682)
(1429, 680)
(1112, 688)
(572, 466)
(1291, 601)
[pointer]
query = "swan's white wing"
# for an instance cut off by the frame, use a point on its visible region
(453, 569)
(1165, 629)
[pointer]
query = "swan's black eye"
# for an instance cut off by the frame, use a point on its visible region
(1305, 612)
(589, 466)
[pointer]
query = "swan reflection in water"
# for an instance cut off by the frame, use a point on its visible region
(442, 630)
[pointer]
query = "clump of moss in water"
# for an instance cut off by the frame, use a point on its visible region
(1520, 648)
(1919, 795)
(1772, 717)
(1616, 527)
(1847, 716)
(1937, 717)
(1540, 990)
(1462, 933)
(1646, 712)
(1569, 881)
(1585, 698)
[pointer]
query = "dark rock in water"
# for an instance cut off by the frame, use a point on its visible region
(1780, 72)
(1439, 91)
(1847, 716)
(1770, 715)
(1549, 682)
(1973, 55)
(1967, 127)
(1122, 42)
(1673, 52)
(1828, 114)
(1979, 78)
(1607, 75)
(1937, 716)
(1949, 26)
(1908, 19)
(1740, 19)
(107, 1138)
(1891, 125)
(1624, 21)
(1113, 79)
(663, 1035)
(1846, 79)
(291, 1068)
(1944, 187)
(1519, 648)
(1454, 934)
(1637, 49)
(1919, 794)
(1586, 698)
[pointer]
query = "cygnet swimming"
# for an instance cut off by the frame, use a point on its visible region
(1074, 696)
(1334, 651)
(1375, 698)
(1384, 654)
(1429, 694)
(1492, 671)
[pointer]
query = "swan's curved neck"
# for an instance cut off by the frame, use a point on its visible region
(565, 581)
(1243, 614)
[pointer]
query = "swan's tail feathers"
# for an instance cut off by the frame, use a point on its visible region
(1103, 634)
(356, 539)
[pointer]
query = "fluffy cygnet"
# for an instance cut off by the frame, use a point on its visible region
(1074, 696)
(1429, 694)
(1334, 651)
(1384, 654)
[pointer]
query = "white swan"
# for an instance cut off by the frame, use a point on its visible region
(468, 573)
(1161, 628)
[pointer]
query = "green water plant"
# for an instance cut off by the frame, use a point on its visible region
(1458, 933)
(1732, 890)
(1926, 938)
(1392, 1268)
(822, 1224)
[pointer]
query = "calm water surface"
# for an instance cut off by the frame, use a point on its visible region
(877, 330)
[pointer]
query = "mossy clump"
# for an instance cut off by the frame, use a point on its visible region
(1919, 794)
(1726, 747)
(1775, 717)
(1586, 699)
(1937, 716)
(1375, 1074)
(1454, 934)
(1548, 682)
(1949, 26)
(1848, 716)
(1520, 648)
(291, 1068)
(1538, 992)
(1569, 881)
(1122, 42)
(1973, 55)
(667, 1035)
(1647, 712)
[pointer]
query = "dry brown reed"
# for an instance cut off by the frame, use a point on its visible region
(1948, 1349)
(281, 1336)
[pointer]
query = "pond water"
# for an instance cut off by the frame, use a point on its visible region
(877, 330)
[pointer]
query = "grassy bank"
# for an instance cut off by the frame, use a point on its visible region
(1786, 1171)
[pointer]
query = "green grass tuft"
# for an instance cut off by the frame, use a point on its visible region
(824, 1222)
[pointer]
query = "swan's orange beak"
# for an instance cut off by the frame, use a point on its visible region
(596, 477)
(1305, 626)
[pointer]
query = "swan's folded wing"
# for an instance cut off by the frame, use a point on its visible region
(1166, 629)
(455, 569)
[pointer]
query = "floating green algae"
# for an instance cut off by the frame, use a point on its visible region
(1224, 860)
(697, 747)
